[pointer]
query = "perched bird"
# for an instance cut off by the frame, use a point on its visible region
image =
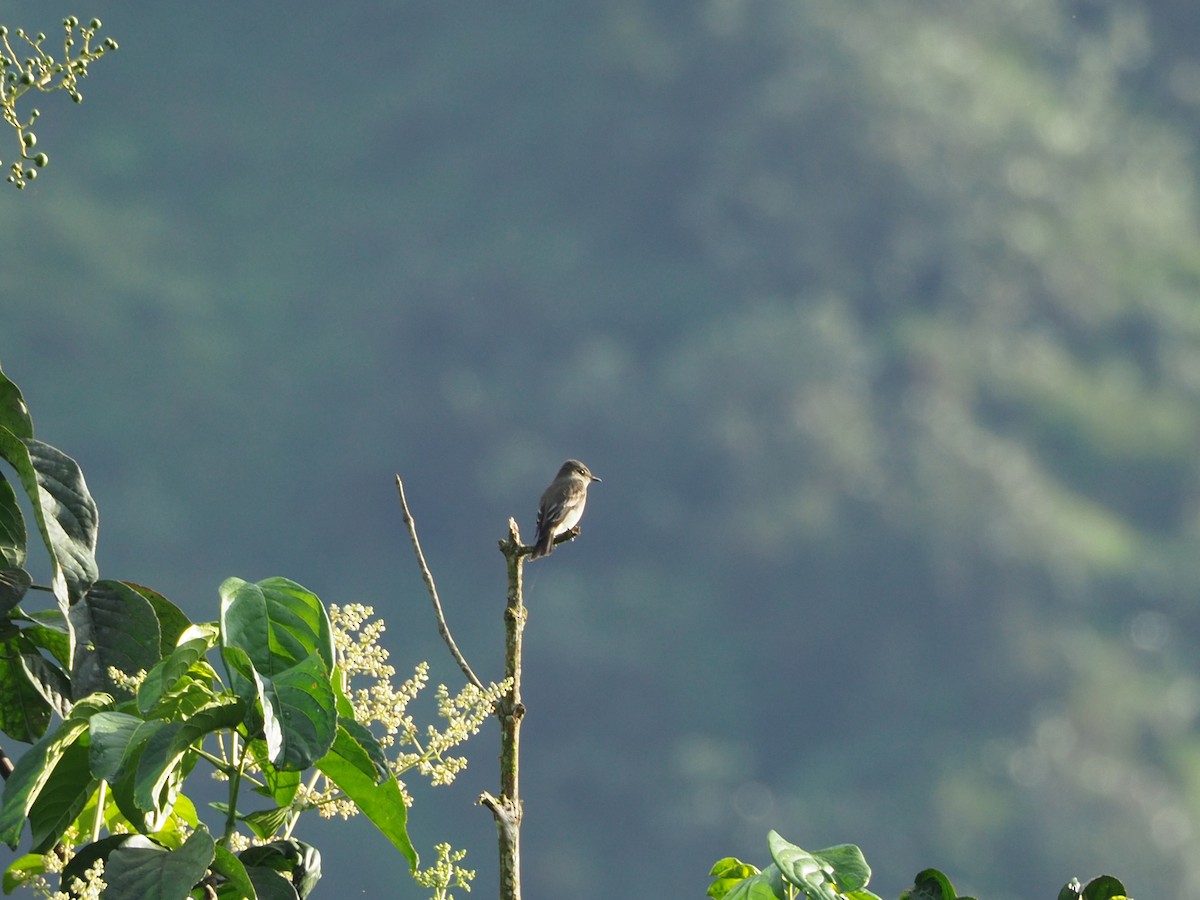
(561, 506)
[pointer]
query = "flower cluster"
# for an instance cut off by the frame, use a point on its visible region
(39, 70)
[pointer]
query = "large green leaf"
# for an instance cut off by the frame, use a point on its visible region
(236, 884)
(24, 711)
(113, 734)
(13, 538)
(14, 584)
(171, 620)
(736, 880)
(62, 798)
(298, 709)
(171, 751)
(828, 874)
(142, 870)
(277, 646)
(31, 775)
(271, 885)
(115, 627)
(14, 414)
(167, 673)
(48, 680)
(351, 768)
(276, 622)
(64, 509)
(300, 862)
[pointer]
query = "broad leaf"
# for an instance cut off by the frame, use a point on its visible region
(141, 870)
(277, 647)
(64, 510)
(171, 620)
(113, 734)
(14, 541)
(62, 798)
(271, 885)
(276, 622)
(236, 884)
(827, 874)
(14, 414)
(115, 627)
(170, 753)
(300, 862)
(167, 673)
(349, 766)
(14, 583)
(930, 884)
(31, 775)
(24, 712)
(48, 680)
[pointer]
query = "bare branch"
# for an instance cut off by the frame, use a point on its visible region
(443, 628)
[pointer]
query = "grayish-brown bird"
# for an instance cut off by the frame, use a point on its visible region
(561, 506)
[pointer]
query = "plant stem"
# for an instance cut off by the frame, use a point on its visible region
(506, 809)
(235, 780)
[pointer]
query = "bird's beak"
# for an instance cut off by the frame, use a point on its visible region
(596, 478)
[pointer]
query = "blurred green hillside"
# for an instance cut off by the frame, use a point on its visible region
(880, 320)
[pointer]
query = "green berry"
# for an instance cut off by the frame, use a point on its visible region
(29, 139)
(30, 174)
(94, 24)
(70, 21)
(41, 160)
(110, 43)
(3, 31)
(76, 96)
(27, 77)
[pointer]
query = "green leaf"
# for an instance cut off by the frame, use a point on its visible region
(22, 869)
(170, 753)
(14, 541)
(349, 766)
(826, 874)
(166, 675)
(115, 627)
(727, 874)
(171, 620)
(930, 884)
(277, 645)
(14, 414)
(24, 712)
(51, 632)
(299, 861)
(64, 510)
(276, 622)
(266, 822)
(33, 771)
(271, 885)
(1104, 887)
(113, 734)
(766, 885)
(361, 734)
(236, 884)
(14, 583)
(141, 870)
(280, 785)
(62, 798)
(850, 869)
(51, 682)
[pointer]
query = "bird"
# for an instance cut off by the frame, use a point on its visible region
(561, 506)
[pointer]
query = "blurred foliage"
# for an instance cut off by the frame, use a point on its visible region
(879, 319)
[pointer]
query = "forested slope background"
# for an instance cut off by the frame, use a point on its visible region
(880, 321)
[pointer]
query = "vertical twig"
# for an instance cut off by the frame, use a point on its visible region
(510, 710)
